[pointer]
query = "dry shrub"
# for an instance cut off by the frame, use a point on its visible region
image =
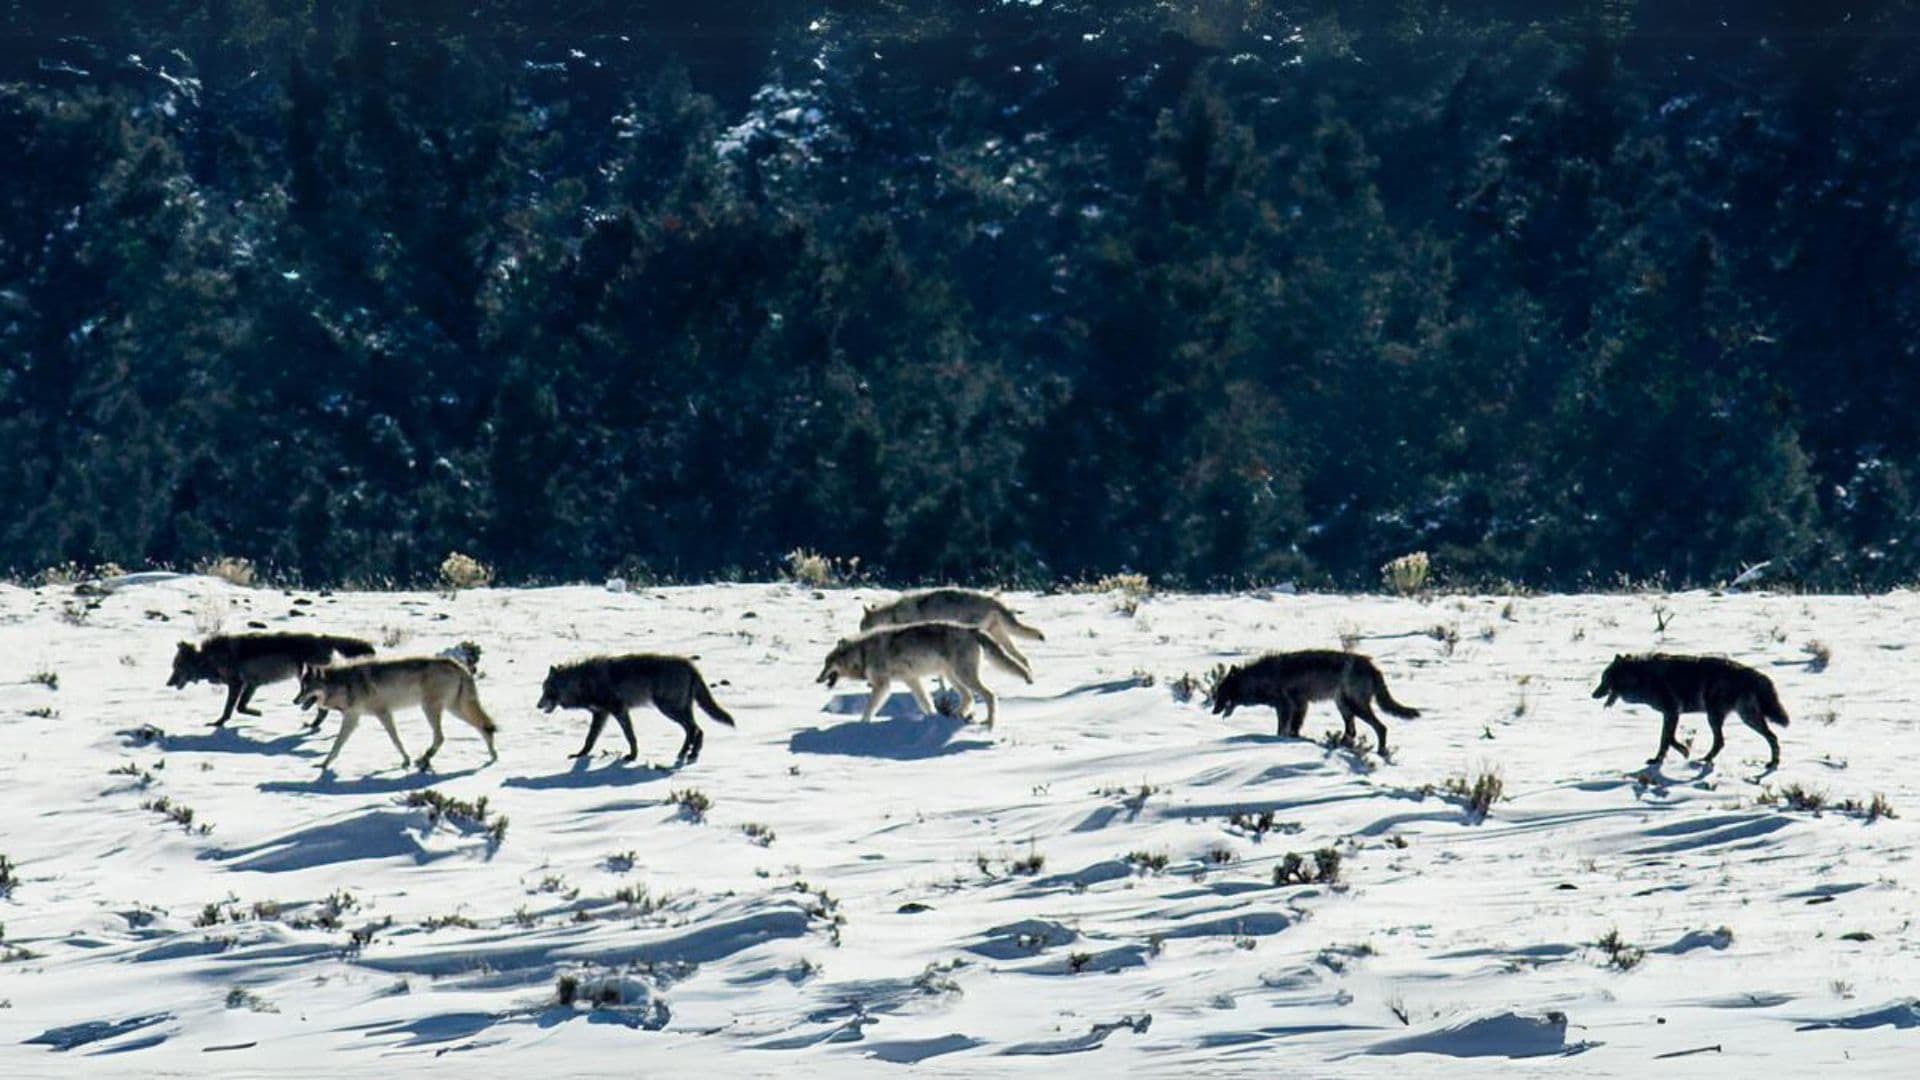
(1407, 574)
(228, 568)
(458, 571)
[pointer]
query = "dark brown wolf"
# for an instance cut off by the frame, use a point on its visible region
(611, 685)
(1289, 681)
(246, 662)
(1684, 684)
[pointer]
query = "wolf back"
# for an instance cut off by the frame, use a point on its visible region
(613, 685)
(246, 662)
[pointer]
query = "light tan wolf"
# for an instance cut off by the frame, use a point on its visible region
(380, 686)
(611, 685)
(963, 606)
(909, 652)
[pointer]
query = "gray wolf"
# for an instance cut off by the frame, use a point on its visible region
(378, 687)
(963, 606)
(909, 652)
(1684, 684)
(246, 662)
(1289, 681)
(611, 685)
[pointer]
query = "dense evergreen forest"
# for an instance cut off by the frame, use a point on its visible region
(1221, 291)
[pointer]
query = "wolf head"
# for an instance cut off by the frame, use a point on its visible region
(557, 691)
(189, 665)
(869, 617)
(315, 689)
(843, 660)
(1226, 693)
(1609, 680)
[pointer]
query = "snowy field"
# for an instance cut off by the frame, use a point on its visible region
(1090, 887)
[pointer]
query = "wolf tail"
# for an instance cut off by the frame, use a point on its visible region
(466, 704)
(350, 646)
(704, 697)
(999, 654)
(1385, 700)
(1016, 626)
(1770, 706)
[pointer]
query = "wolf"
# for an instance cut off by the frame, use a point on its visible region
(1682, 684)
(246, 662)
(610, 685)
(1289, 681)
(434, 683)
(963, 606)
(909, 652)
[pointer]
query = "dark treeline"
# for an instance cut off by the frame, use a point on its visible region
(1216, 290)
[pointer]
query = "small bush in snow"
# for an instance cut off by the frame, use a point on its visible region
(467, 816)
(1407, 574)
(1152, 862)
(1296, 869)
(814, 570)
(693, 803)
(1620, 955)
(1478, 792)
(458, 571)
(1818, 655)
(228, 568)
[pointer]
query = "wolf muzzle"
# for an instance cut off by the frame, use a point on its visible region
(1604, 691)
(830, 677)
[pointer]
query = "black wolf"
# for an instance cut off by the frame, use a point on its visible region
(611, 685)
(1684, 684)
(246, 662)
(1288, 681)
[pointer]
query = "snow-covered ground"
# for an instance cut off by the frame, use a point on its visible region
(934, 893)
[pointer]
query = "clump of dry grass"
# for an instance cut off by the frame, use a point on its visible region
(229, 568)
(459, 571)
(1407, 574)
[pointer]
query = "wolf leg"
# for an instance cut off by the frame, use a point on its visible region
(1753, 719)
(439, 735)
(1296, 716)
(1365, 712)
(233, 698)
(1346, 717)
(997, 629)
(348, 721)
(691, 739)
(920, 698)
(966, 697)
(244, 705)
(593, 734)
(969, 683)
(1669, 723)
(386, 721)
(626, 728)
(1716, 718)
(874, 699)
